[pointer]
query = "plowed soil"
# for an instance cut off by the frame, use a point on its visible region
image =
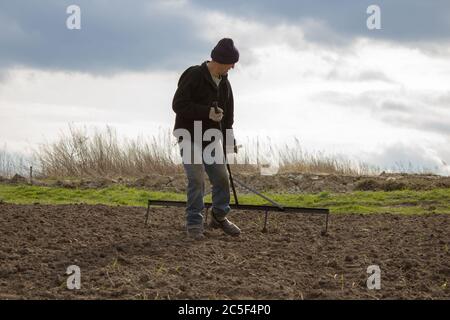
(120, 257)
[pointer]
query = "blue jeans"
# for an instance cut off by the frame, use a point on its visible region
(218, 176)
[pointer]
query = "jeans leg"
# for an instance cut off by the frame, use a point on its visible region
(195, 193)
(218, 176)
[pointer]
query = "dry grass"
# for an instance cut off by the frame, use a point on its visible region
(293, 158)
(103, 154)
(12, 163)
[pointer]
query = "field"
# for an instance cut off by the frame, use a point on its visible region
(120, 257)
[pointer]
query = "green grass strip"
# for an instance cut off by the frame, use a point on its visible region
(366, 202)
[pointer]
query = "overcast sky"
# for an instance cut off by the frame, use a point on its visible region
(310, 69)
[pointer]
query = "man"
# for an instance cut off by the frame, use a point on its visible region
(201, 89)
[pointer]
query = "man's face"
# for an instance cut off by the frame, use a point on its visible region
(224, 68)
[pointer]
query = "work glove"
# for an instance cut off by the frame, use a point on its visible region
(217, 117)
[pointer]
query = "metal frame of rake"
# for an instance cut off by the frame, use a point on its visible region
(264, 208)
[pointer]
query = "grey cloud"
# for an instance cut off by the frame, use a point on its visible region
(121, 35)
(437, 124)
(430, 114)
(366, 75)
(428, 122)
(371, 75)
(402, 20)
(394, 106)
(420, 114)
(417, 116)
(115, 35)
(439, 49)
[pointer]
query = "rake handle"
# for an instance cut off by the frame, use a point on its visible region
(216, 106)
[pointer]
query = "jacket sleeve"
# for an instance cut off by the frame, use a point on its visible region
(182, 104)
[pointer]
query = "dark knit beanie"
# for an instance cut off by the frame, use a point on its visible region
(225, 52)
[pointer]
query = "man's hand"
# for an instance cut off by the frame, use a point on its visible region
(217, 117)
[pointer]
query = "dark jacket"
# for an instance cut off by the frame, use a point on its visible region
(194, 97)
